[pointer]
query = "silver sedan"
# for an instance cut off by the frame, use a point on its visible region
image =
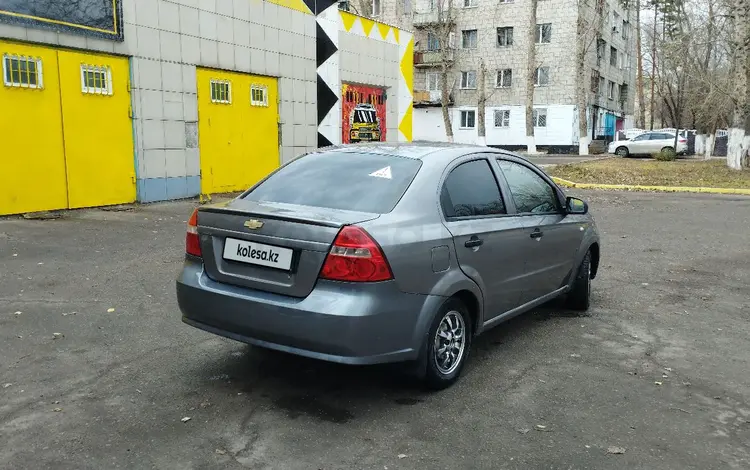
(379, 253)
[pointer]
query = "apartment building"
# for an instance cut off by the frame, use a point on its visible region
(497, 33)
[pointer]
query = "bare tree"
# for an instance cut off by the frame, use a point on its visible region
(530, 78)
(482, 103)
(639, 72)
(588, 30)
(739, 131)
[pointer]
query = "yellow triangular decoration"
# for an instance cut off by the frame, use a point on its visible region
(367, 25)
(348, 19)
(384, 28)
(395, 34)
(406, 123)
(407, 66)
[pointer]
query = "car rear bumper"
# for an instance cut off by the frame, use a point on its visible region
(338, 322)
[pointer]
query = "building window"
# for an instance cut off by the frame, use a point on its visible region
(623, 92)
(505, 36)
(613, 57)
(625, 30)
(601, 51)
(502, 118)
(470, 3)
(433, 43)
(602, 84)
(624, 61)
(96, 80)
(615, 22)
(469, 79)
(611, 90)
(541, 76)
(221, 91)
(258, 95)
(595, 81)
(375, 8)
(505, 1)
(504, 78)
(433, 81)
(540, 117)
(468, 119)
(544, 33)
(469, 39)
(22, 71)
(407, 7)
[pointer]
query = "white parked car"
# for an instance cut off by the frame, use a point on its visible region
(648, 143)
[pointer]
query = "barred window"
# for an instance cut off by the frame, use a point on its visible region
(502, 118)
(540, 117)
(22, 71)
(259, 95)
(221, 91)
(96, 80)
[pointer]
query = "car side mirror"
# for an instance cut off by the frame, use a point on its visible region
(576, 206)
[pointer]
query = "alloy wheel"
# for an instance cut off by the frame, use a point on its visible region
(450, 343)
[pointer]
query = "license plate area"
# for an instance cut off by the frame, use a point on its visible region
(258, 254)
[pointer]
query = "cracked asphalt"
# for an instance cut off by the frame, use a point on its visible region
(659, 369)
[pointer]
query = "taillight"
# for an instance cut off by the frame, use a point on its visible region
(192, 241)
(682, 141)
(355, 257)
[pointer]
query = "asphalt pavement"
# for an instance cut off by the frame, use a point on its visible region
(98, 372)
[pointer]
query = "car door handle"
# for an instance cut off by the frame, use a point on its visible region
(473, 242)
(537, 234)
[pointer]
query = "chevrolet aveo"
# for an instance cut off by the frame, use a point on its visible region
(372, 253)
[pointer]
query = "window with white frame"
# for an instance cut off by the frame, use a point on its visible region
(624, 60)
(504, 78)
(469, 79)
(611, 90)
(505, 36)
(625, 29)
(541, 76)
(258, 95)
(468, 119)
(602, 84)
(615, 22)
(96, 80)
(539, 117)
(470, 3)
(502, 118)
(544, 33)
(469, 39)
(22, 71)
(433, 42)
(375, 8)
(221, 91)
(433, 81)
(613, 57)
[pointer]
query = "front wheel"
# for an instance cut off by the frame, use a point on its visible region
(448, 345)
(579, 297)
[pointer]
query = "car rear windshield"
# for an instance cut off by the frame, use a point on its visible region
(364, 182)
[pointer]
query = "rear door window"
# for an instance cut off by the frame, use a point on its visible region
(471, 190)
(364, 182)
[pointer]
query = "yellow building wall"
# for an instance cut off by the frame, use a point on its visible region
(63, 148)
(238, 141)
(98, 133)
(32, 159)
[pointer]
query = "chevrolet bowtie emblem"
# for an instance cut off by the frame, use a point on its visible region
(253, 224)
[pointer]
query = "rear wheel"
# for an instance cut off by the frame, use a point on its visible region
(447, 345)
(580, 295)
(622, 151)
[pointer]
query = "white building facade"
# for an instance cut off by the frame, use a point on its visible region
(497, 33)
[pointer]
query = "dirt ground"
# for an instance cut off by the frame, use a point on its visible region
(97, 370)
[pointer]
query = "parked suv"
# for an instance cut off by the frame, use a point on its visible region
(648, 143)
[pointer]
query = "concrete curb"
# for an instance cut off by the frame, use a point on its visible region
(661, 189)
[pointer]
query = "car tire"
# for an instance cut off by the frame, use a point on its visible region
(435, 372)
(579, 297)
(622, 151)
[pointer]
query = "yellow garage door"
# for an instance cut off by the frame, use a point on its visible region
(98, 131)
(238, 129)
(32, 160)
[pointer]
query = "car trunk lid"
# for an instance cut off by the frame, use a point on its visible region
(269, 246)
